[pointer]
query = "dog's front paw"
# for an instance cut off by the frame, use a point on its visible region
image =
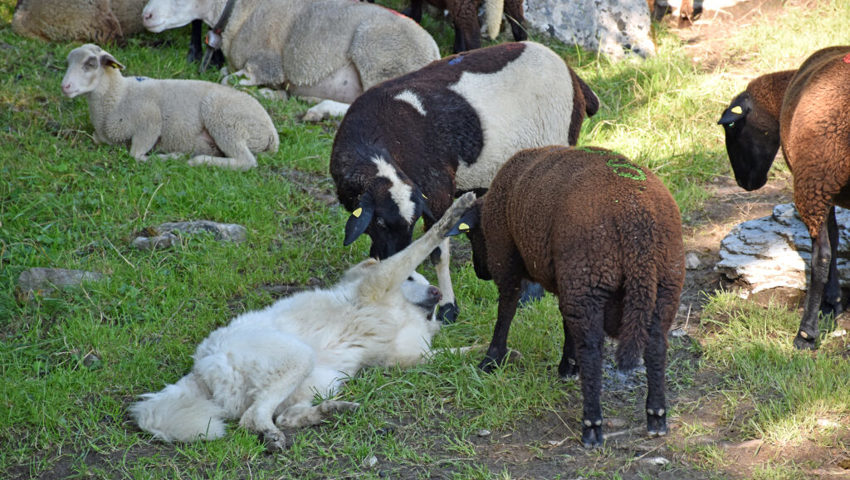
(274, 440)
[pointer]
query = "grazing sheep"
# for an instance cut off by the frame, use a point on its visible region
(804, 111)
(327, 49)
(179, 116)
(407, 146)
(101, 21)
(464, 15)
(267, 366)
(605, 237)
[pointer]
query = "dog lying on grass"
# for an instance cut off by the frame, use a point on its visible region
(267, 366)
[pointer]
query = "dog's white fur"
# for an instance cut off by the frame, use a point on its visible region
(267, 366)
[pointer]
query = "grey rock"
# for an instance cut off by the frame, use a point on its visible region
(46, 280)
(774, 252)
(169, 233)
(613, 27)
(692, 261)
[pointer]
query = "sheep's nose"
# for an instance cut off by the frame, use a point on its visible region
(147, 15)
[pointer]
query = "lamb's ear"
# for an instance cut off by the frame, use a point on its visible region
(740, 107)
(107, 60)
(467, 222)
(360, 219)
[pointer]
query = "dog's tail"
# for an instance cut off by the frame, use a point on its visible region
(181, 412)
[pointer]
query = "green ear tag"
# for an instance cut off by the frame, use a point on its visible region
(463, 227)
(357, 212)
(737, 110)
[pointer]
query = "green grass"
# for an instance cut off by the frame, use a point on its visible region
(73, 360)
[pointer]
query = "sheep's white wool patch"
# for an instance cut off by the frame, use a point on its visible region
(526, 104)
(413, 99)
(399, 190)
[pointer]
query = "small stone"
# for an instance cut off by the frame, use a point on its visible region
(370, 461)
(838, 333)
(45, 280)
(91, 360)
(692, 261)
(824, 422)
(483, 432)
(658, 461)
(678, 332)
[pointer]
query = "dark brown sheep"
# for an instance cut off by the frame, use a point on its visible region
(605, 237)
(806, 112)
(464, 14)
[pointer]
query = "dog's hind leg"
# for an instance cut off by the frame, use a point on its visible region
(306, 415)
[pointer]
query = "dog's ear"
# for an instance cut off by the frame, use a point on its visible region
(468, 221)
(360, 219)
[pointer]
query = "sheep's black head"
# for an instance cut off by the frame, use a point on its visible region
(752, 140)
(470, 224)
(387, 213)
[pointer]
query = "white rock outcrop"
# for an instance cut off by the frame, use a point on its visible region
(775, 251)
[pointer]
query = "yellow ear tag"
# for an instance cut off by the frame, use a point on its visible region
(737, 110)
(423, 196)
(357, 212)
(463, 227)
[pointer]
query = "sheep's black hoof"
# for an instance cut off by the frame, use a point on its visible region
(591, 435)
(805, 341)
(195, 54)
(568, 369)
(656, 422)
(489, 364)
(447, 313)
(531, 291)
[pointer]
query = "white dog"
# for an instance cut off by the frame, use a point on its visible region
(267, 366)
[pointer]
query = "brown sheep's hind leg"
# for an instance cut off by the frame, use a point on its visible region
(655, 358)
(821, 267)
(831, 302)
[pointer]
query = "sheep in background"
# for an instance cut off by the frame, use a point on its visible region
(175, 116)
(464, 14)
(327, 49)
(101, 21)
(407, 146)
(603, 235)
(806, 112)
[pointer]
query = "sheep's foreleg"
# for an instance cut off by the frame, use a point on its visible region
(447, 310)
(508, 299)
(141, 144)
(822, 254)
(325, 109)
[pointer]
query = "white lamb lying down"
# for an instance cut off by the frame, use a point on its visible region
(266, 366)
(217, 124)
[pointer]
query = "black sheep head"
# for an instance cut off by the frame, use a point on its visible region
(470, 224)
(752, 140)
(380, 216)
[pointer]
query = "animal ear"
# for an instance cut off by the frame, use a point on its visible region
(422, 200)
(360, 219)
(738, 110)
(467, 222)
(107, 60)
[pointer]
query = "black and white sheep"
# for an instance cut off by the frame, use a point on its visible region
(604, 236)
(327, 49)
(407, 146)
(806, 112)
(174, 116)
(464, 15)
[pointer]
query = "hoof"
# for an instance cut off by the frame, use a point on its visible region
(531, 291)
(447, 314)
(804, 341)
(656, 422)
(488, 364)
(591, 436)
(568, 369)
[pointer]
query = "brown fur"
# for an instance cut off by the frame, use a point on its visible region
(607, 245)
(464, 14)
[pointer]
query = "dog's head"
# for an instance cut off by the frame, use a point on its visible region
(419, 292)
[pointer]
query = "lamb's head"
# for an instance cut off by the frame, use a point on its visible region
(752, 140)
(387, 211)
(86, 67)
(159, 15)
(470, 224)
